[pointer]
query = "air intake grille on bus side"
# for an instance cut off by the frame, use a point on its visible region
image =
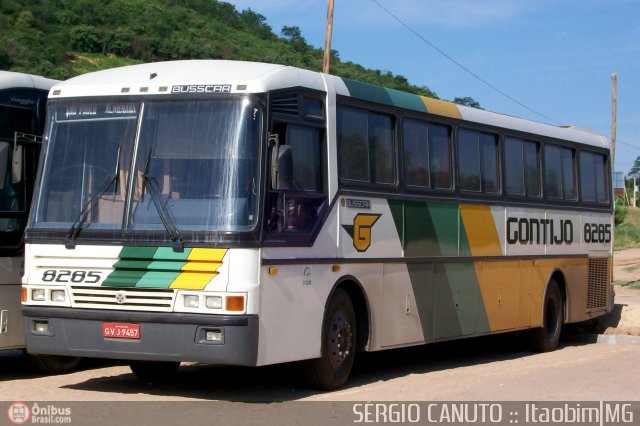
(285, 105)
(123, 298)
(598, 283)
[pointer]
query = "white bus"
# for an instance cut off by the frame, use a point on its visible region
(239, 213)
(22, 114)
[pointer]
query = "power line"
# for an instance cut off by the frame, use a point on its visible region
(476, 76)
(628, 144)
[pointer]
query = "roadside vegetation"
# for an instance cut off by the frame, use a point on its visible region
(61, 39)
(627, 234)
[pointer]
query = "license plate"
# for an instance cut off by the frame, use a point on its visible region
(120, 331)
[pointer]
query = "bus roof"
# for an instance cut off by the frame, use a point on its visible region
(162, 78)
(18, 80)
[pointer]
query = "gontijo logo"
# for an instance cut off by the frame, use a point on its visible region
(360, 231)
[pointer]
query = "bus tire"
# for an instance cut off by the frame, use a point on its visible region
(338, 345)
(546, 338)
(154, 371)
(54, 364)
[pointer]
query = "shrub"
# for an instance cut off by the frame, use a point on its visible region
(619, 214)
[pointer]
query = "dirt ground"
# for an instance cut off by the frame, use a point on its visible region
(626, 274)
(626, 266)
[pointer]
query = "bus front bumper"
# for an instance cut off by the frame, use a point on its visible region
(162, 336)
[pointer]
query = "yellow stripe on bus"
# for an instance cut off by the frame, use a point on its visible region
(481, 230)
(193, 280)
(513, 290)
(201, 267)
(207, 254)
(446, 109)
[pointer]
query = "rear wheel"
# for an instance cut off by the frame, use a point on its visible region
(54, 364)
(332, 369)
(154, 371)
(546, 338)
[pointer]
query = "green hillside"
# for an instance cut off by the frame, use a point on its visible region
(64, 38)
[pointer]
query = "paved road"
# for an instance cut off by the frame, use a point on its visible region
(487, 368)
(478, 369)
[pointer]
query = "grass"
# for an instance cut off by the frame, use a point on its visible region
(628, 232)
(88, 62)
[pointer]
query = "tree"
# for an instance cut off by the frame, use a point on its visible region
(634, 171)
(293, 34)
(467, 101)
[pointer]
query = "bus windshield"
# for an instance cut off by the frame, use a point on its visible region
(107, 161)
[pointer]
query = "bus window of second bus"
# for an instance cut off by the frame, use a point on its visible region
(12, 196)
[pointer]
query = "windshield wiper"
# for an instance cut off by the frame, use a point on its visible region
(82, 217)
(177, 242)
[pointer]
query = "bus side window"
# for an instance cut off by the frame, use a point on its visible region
(11, 192)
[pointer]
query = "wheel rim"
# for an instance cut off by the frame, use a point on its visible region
(339, 342)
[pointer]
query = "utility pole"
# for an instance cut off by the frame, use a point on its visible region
(614, 101)
(327, 39)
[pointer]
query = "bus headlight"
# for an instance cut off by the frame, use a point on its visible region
(37, 295)
(191, 301)
(214, 302)
(58, 295)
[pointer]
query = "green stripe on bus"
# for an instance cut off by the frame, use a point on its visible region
(434, 229)
(167, 253)
(157, 279)
(134, 265)
(123, 278)
(137, 252)
(426, 229)
(164, 265)
(420, 235)
(446, 224)
(468, 302)
(391, 97)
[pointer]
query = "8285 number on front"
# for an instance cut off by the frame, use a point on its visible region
(67, 276)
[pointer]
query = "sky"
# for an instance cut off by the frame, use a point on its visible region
(555, 57)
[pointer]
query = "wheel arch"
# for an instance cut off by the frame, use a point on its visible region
(358, 297)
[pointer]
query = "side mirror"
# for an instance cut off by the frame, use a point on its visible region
(16, 167)
(281, 164)
(282, 176)
(4, 162)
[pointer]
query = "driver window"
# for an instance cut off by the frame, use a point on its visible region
(296, 209)
(305, 146)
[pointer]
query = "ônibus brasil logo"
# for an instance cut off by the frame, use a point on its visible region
(19, 413)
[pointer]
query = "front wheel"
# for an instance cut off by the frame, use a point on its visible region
(154, 371)
(546, 338)
(54, 364)
(338, 347)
